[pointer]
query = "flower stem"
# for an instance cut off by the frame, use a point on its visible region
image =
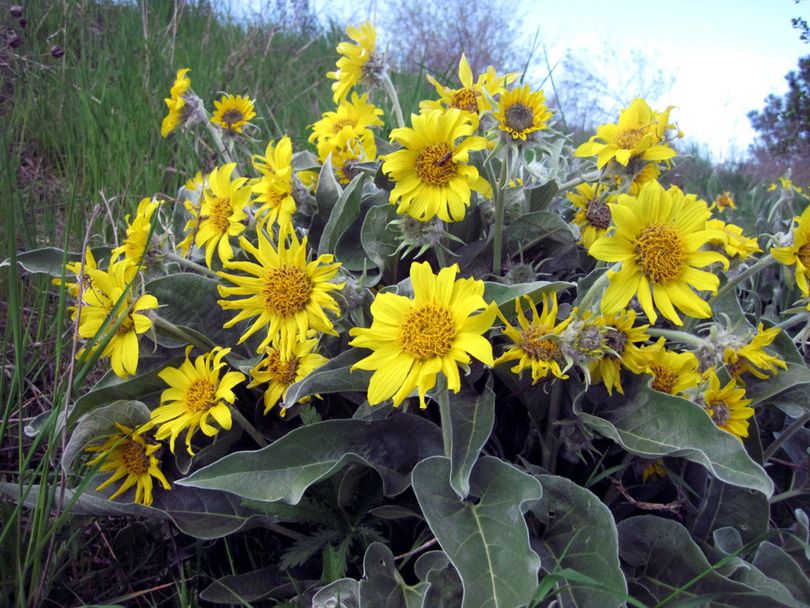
(762, 263)
(218, 143)
(443, 397)
(500, 196)
(588, 177)
(794, 320)
(596, 289)
(247, 427)
(789, 494)
(388, 85)
(178, 259)
(178, 332)
(677, 336)
(550, 441)
(794, 428)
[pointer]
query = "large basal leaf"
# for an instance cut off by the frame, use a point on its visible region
(378, 238)
(539, 197)
(262, 584)
(444, 585)
(382, 585)
(190, 300)
(487, 541)
(579, 534)
(472, 417)
(335, 376)
(112, 388)
(530, 229)
(49, 260)
(285, 469)
(796, 374)
(777, 564)
(505, 295)
(342, 215)
(342, 593)
(101, 423)
(664, 563)
(653, 424)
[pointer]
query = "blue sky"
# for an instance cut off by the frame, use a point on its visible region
(724, 56)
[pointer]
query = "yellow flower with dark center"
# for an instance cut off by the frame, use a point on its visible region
(233, 112)
(107, 289)
(222, 213)
(131, 456)
(352, 66)
(196, 394)
(592, 211)
(798, 252)
(657, 240)
(731, 237)
(473, 96)
(275, 186)
(536, 343)
(288, 295)
(135, 245)
(724, 201)
(176, 103)
(727, 406)
(347, 148)
(752, 357)
(622, 339)
(638, 134)
(279, 372)
(356, 114)
(672, 372)
(431, 172)
(521, 112)
(414, 339)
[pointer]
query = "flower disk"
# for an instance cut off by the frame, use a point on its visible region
(431, 172)
(521, 112)
(657, 240)
(414, 339)
(287, 294)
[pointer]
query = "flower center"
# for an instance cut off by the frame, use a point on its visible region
(720, 413)
(134, 456)
(283, 372)
(340, 123)
(665, 378)
(660, 253)
(616, 340)
(435, 166)
(427, 332)
(628, 139)
(804, 255)
(232, 117)
(598, 214)
(200, 396)
(219, 213)
(519, 117)
(465, 99)
(126, 326)
(537, 346)
(590, 341)
(286, 291)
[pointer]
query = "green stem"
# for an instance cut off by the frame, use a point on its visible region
(443, 397)
(599, 285)
(500, 196)
(178, 259)
(179, 333)
(789, 494)
(247, 427)
(794, 320)
(762, 263)
(550, 440)
(794, 428)
(676, 336)
(388, 85)
(588, 177)
(218, 143)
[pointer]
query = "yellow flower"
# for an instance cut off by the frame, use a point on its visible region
(222, 213)
(356, 114)
(288, 294)
(347, 148)
(431, 172)
(176, 103)
(653, 470)
(536, 342)
(732, 239)
(414, 339)
(108, 288)
(275, 185)
(280, 372)
(672, 372)
(135, 245)
(752, 357)
(521, 112)
(638, 134)
(196, 393)
(723, 202)
(474, 97)
(657, 240)
(75, 268)
(308, 179)
(622, 337)
(130, 455)
(785, 184)
(727, 406)
(593, 214)
(351, 67)
(195, 183)
(798, 253)
(233, 112)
